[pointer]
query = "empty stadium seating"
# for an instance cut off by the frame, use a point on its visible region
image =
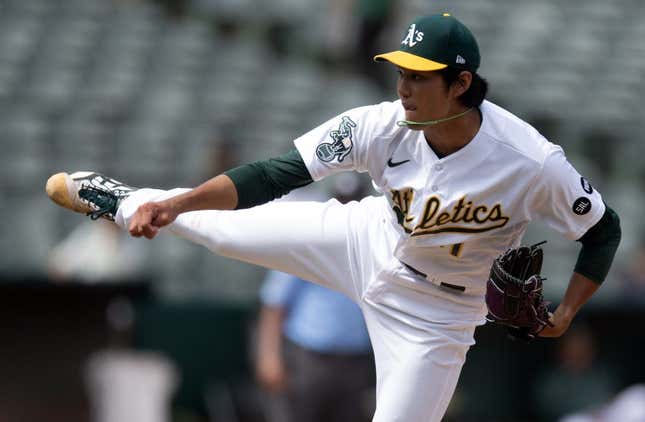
(122, 87)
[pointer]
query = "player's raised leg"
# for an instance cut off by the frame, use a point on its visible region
(308, 239)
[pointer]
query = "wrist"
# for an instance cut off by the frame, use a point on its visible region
(565, 313)
(175, 205)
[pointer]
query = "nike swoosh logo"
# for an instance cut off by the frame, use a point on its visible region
(391, 163)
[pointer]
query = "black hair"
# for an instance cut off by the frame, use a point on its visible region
(475, 94)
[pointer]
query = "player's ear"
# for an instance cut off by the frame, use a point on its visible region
(462, 83)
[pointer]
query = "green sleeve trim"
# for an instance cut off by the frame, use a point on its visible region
(599, 246)
(263, 181)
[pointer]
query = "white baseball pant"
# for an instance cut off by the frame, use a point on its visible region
(419, 340)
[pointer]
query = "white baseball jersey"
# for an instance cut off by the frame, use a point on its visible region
(455, 214)
(449, 218)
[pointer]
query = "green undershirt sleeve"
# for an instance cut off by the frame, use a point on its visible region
(599, 246)
(263, 181)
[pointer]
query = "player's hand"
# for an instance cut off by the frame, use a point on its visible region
(560, 323)
(271, 374)
(150, 217)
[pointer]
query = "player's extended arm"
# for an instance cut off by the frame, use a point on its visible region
(216, 193)
(242, 187)
(599, 246)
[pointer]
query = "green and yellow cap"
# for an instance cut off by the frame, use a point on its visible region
(435, 42)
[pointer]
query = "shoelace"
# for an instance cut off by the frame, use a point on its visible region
(106, 202)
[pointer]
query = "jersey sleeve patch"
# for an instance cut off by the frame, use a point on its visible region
(341, 142)
(564, 199)
(586, 186)
(581, 206)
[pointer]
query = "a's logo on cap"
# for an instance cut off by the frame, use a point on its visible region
(413, 37)
(460, 60)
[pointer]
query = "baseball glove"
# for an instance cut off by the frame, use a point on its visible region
(514, 292)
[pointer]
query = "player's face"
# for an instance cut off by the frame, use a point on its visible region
(424, 95)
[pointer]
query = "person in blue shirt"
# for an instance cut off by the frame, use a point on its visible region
(314, 353)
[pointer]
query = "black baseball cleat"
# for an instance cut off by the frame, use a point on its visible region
(87, 192)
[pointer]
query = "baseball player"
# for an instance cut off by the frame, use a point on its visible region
(461, 179)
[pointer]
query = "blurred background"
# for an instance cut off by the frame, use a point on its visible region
(168, 93)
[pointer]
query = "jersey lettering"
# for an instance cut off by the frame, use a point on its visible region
(402, 200)
(474, 218)
(478, 218)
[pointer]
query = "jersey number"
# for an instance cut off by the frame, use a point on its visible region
(402, 199)
(455, 249)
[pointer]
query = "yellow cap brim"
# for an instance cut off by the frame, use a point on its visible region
(409, 61)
